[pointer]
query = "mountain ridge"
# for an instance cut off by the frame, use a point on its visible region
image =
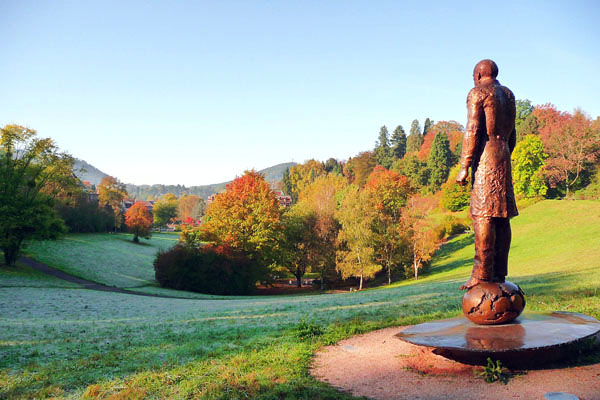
(87, 172)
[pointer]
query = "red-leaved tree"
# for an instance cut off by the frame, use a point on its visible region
(138, 221)
(572, 142)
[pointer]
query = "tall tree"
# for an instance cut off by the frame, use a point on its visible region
(415, 169)
(356, 253)
(388, 192)
(190, 206)
(383, 153)
(302, 175)
(245, 217)
(111, 192)
(524, 109)
(427, 126)
(165, 210)
(333, 166)
(415, 128)
(32, 174)
(528, 160)
(414, 142)
(439, 162)
(320, 199)
(422, 239)
(572, 146)
(398, 143)
(138, 221)
(299, 246)
(358, 168)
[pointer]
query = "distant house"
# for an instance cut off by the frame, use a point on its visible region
(284, 199)
(128, 203)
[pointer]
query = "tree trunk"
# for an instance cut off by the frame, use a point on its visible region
(389, 274)
(136, 239)
(298, 280)
(11, 253)
(361, 281)
(322, 280)
(416, 271)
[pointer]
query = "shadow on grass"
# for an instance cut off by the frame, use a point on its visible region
(129, 240)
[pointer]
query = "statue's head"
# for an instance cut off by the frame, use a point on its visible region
(485, 70)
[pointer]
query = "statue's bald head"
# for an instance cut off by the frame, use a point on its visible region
(485, 70)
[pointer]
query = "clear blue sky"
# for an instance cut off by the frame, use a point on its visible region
(194, 92)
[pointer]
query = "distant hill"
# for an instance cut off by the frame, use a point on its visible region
(87, 172)
(272, 174)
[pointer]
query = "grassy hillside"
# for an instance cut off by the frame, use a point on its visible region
(67, 342)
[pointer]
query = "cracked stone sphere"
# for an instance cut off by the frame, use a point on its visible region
(493, 303)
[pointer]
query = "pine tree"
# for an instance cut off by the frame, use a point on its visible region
(415, 127)
(439, 161)
(398, 143)
(414, 143)
(427, 126)
(383, 154)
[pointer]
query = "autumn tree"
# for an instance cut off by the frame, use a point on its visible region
(358, 168)
(414, 142)
(549, 120)
(112, 193)
(301, 175)
(246, 217)
(455, 197)
(138, 221)
(415, 169)
(333, 166)
(190, 206)
(388, 192)
(356, 251)
(528, 160)
(299, 246)
(165, 210)
(572, 146)
(422, 238)
(32, 174)
(320, 199)
(398, 143)
(439, 162)
(383, 152)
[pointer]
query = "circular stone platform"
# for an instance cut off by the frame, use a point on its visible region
(533, 339)
(379, 366)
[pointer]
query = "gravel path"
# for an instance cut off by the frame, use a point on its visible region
(379, 366)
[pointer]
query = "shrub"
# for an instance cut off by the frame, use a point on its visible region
(212, 270)
(454, 225)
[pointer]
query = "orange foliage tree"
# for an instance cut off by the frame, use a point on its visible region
(138, 221)
(572, 142)
(246, 217)
(550, 120)
(388, 192)
(422, 237)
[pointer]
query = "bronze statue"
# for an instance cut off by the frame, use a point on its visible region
(487, 147)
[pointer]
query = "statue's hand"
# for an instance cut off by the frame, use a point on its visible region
(461, 179)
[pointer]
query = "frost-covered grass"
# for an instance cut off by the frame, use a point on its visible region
(79, 343)
(111, 259)
(22, 275)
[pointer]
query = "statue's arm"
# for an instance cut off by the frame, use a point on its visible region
(474, 113)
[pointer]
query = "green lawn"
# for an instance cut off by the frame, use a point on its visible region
(111, 259)
(76, 343)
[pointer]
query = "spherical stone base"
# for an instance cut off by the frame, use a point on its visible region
(493, 303)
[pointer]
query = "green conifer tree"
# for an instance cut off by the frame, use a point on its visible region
(439, 161)
(398, 143)
(383, 153)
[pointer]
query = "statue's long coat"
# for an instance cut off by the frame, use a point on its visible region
(487, 146)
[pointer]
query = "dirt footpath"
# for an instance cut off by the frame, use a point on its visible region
(379, 366)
